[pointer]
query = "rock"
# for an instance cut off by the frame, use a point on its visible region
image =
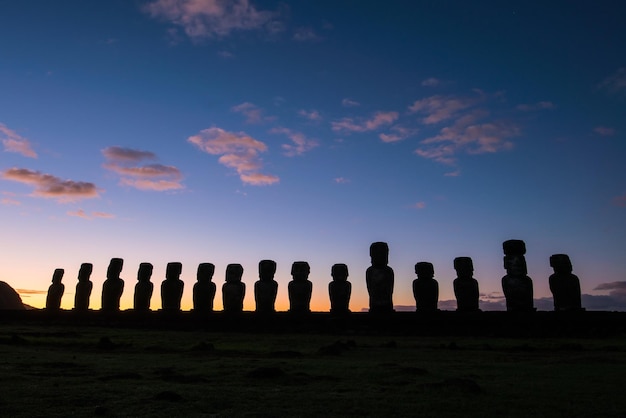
(9, 298)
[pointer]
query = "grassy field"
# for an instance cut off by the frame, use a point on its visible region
(90, 371)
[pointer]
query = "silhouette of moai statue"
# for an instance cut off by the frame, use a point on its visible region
(55, 291)
(266, 288)
(172, 288)
(425, 288)
(517, 286)
(234, 290)
(113, 286)
(143, 288)
(564, 285)
(339, 289)
(83, 287)
(379, 278)
(300, 288)
(465, 285)
(204, 288)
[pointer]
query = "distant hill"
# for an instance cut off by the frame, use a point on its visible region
(9, 298)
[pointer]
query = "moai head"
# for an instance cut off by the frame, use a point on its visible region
(173, 270)
(300, 271)
(464, 267)
(514, 247)
(145, 272)
(84, 273)
(57, 276)
(267, 269)
(379, 254)
(515, 265)
(115, 268)
(424, 270)
(339, 272)
(234, 273)
(561, 263)
(205, 272)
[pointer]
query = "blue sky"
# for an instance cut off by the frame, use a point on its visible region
(229, 132)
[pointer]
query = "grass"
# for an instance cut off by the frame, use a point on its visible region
(65, 371)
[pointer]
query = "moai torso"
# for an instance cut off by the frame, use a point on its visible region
(300, 288)
(517, 286)
(143, 288)
(425, 288)
(465, 286)
(339, 289)
(233, 291)
(204, 289)
(83, 287)
(172, 288)
(266, 288)
(113, 286)
(55, 291)
(379, 278)
(564, 285)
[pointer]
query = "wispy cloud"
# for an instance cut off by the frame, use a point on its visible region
(437, 109)
(312, 115)
(615, 83)
(13, 142)
(378, 120)
(82, 214)
(211, 18)
(238, 151)
(52, 187)
(418, 205)
(252, 112)
(398, 133)
(156, 177)
(301, 143)
(604, 131)
(10, 202)
(544, 105)
(620, 201)
(303, 34)
(431, 82)
(350, 103)
(341, 180)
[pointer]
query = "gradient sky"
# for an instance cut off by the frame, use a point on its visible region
(234, 131)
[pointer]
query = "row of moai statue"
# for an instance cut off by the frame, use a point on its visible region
(517, 286)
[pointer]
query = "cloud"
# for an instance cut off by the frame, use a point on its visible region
(7, 201)
(341, 180)
(436, 109)
(156, 177)
(52, 187)
(615, 83)
(399, 133)
(205, 19)
(535, 106)
(363, 125)
(305, 34)
(301, 143)
(13, 142)
(604, 131)
(620, 201)
(419, 205)
(349, 103)
(253, 113)
(238, 151)
(312, 115)
(82, 214)
(431, 82)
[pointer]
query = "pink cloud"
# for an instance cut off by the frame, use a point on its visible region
(419, 205)
(536, 106)
(82, 214)
(239, 151)
(252, 112)
(301, 143)
(13, 142)
(620, 201)
(156, 177)
(312, 115)
(305, 34)
(431, 82)
(399, 133)
(615, 83)
(341, 180)
(436, 109)
(349, 103)
(78, 213)
(52, 187)
(211, 18)
(10, 202)
(604, 131)
(363, 125)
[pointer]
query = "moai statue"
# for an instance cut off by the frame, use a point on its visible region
(517, 286)
(266, 288)
(143, 288)
(339, 289)
(83, 287)
(234, 290)
(204, 289)
(564, 285)
(172, 288)
(300, 288)
(379, 278)
(55, 291)
(113, 286)
(465, 285)
(425, 288)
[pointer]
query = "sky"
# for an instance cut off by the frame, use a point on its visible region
(235, 131)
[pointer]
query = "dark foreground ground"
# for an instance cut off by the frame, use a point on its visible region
(131, 366)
